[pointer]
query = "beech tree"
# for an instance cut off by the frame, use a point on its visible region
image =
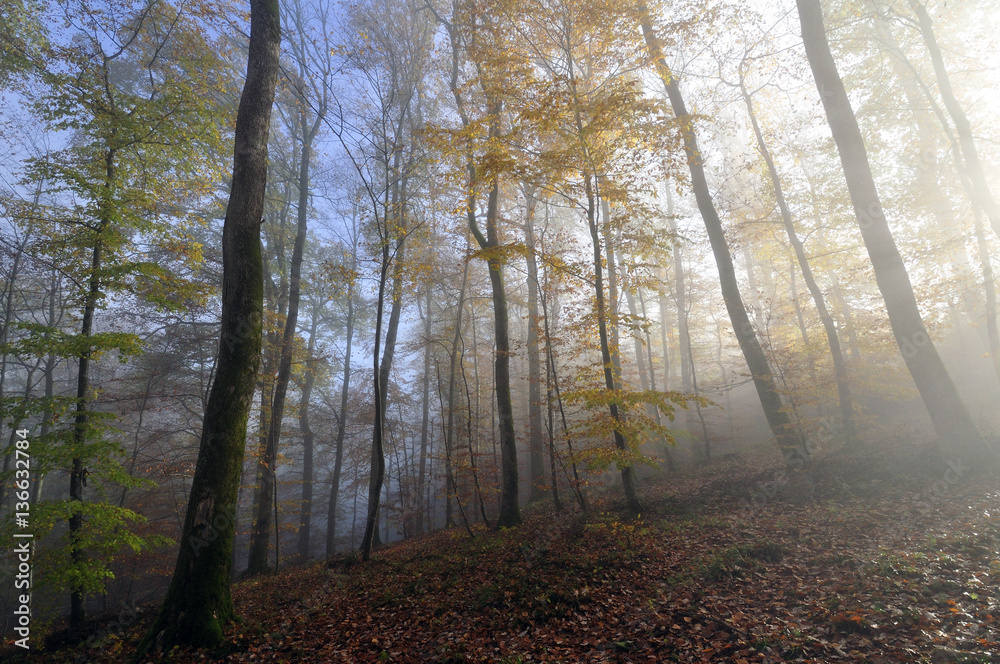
(310, 103)
(126, 89)
(948, 413)
(789, 439)
(829, 327)
(198, 603)
(480, 34)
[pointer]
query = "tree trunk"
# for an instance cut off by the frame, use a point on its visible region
(535, 426)
(308, 443)
(48, 414)
(628, 474)
(257, 562)
(449, 431)
(789, 439)
(345, 385)
(948, 413)
(510, 512)
(552, 380)
(381, 377)
(425, 415)
(989, 285)
(198, 603)
(77, 478)
(609, 345)
(671, 466)
(837, 354)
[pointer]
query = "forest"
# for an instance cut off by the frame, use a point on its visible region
(499, 331)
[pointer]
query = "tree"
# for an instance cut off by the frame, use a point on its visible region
(839, 363)
(311, 99)
(198, 603)
(535, 431)
(391, 55)
(788, 437)
(480, 31)
(343, 275)
(134, 91)
(982, 195)
(948, 413)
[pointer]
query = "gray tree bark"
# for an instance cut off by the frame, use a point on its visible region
(837, 354)
(789, 439)
(948, 413)
(198, 603)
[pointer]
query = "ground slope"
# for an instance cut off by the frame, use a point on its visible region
(731, 563)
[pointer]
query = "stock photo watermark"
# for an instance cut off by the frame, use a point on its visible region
(23, 539)
(244, 329)
(946, 486)
(210, 531)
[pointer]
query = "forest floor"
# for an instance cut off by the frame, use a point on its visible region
(875, 559)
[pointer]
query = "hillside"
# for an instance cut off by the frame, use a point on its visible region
(859, 568)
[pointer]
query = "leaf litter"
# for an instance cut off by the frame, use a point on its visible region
(872, 566)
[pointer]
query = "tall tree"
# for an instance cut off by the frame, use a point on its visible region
(348, 274)
(789, 439)
(198, 603)
(535, 431)
(836, 353)
(123, 88)
(948, 413)
(479, 30)
(311, 99)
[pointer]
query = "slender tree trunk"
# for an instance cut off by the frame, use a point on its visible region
(793, 291)
(755, 299)
(48, 413)
(8, 295)
(198, 603)
(381, 371)
(308, 443)
(680, 301)
(473, 453)
(552, 379)
(510, 512)
(989, 285)
(77, 477)
(628, 474)
(550, 407)
(839, 363)
(425, 415)
(644, 367)
(535, 426)
(789, 439)
(671, 466)
(449, 431)
(613, 299)
(609, 343)
(948, 413)
(257, 562)
(8, 316)
(665, 331)
(345, 386)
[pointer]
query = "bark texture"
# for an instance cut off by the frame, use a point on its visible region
(198, 603)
